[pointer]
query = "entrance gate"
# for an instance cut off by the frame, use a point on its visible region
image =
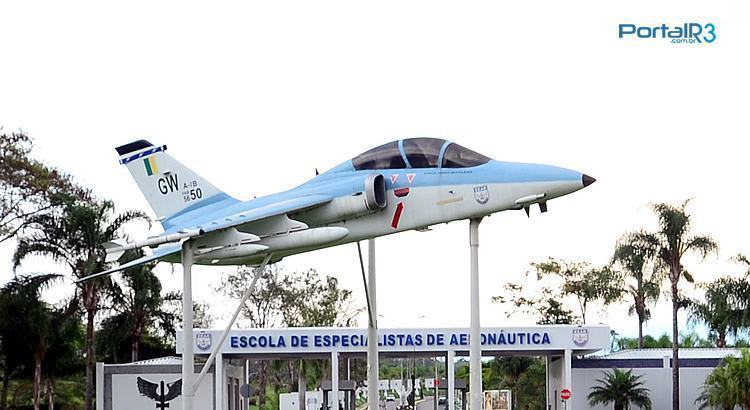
(558, 343)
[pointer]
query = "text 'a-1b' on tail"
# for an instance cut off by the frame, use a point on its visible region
(402, 185)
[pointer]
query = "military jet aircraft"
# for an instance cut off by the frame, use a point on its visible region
(409, 184)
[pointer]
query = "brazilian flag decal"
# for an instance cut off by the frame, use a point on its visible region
(150, 164)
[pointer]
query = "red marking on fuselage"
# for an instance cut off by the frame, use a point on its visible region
(397, 215)
(401, 192)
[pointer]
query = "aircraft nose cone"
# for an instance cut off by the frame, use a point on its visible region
(587, 180)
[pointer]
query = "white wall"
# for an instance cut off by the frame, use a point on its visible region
(658, 381)
(125, 395)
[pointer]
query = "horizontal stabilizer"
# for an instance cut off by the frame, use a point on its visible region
(159, 253)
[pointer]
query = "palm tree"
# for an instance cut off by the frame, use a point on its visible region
(139, 303)
(724, 310)
(28, 319)
(672, 241)
(635, 256)
(73, 236)
(63, 356)
(621, 388)
(728, 385)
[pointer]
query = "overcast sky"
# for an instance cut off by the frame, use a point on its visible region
(255, 96)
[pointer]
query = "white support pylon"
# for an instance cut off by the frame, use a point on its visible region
(373, 393)
(475, 350)
(188, 367)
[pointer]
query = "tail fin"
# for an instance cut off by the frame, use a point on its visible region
(169, 187)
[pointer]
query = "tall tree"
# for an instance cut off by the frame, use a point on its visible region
(637, 259)
(585, 283)
(263, 309)
(27, 186)
(546, 306)
(73, 235)
(620, 388)
(290, 299)
(673, 240)
(724, 308)
(29, 319)
(139, 304)
(65, 345)
(309, 300)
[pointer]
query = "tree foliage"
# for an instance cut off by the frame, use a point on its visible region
(621, 388)
(73, 235)
(27, 186)
(546, 306)
(139, 305)
(579, 280)
(585, 283)
(724, 308)
(728, 385)
(293, 300)
(32, 331)
(637, 259)
(672, 241)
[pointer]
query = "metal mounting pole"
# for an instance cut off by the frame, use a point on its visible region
(373, 372)
(188, 367)
(217, 346)
(451, 396)
(475, 352)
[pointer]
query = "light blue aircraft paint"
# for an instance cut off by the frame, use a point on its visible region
(403, 185)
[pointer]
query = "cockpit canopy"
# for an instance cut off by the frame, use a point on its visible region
(418, 153)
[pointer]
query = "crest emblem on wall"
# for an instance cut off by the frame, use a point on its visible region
(203, 341)
(580, 336)
(481, 194)
(158, 392)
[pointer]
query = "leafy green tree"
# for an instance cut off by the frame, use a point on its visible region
(309, 300)
(63, 357)
(637, 259)
(28, 319)
(531, 386)
(724, 310)
(27, 186)
(728, 385)
(262, 310)
(546, 306)
(509, 370)
(621, 388)
(73, 235)
(582, 281)
(673, 240)
(139, 304)
(693, 339)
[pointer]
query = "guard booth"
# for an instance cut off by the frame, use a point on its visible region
(157, 384)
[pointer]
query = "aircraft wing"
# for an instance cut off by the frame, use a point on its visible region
(160, 252)
(244, 221)
(271, 218)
